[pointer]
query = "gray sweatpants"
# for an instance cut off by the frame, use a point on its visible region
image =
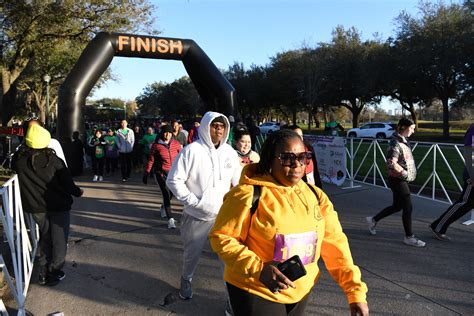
(194, 234)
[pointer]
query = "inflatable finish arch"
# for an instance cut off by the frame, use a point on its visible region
(214, 89)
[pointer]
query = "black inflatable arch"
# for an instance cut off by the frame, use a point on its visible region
(214, 89)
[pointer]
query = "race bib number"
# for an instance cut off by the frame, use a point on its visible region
(303, 245)
(99, 152)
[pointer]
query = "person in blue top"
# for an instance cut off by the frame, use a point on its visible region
(466, 201)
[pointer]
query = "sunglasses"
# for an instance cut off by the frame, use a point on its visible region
(289, 159)
(218, 126)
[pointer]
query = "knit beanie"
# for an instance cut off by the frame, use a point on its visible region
(37, 137)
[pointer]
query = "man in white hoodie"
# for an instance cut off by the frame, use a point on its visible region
(201, 175)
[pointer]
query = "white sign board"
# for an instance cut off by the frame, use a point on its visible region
(331, 155)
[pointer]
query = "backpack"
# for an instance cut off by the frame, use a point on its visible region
(256, 197)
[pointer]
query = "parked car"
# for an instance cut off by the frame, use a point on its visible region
(269, 127)
(373, 130)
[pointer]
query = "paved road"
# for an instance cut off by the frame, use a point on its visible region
(122, 259)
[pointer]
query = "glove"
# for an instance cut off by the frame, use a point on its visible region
(145, 177)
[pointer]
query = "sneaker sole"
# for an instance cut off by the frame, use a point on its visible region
(416, 246)
(370, 232)
(183, 297)
(439, 237)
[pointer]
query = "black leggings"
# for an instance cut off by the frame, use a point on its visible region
(167, 195)
(247, 304)
(401, 200)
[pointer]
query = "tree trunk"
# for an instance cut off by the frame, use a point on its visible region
(356, 110)
(411, 108)
(294, 115)
(315, 118)
(445, 117)
(8, 105)
(355, 118)
(309, 120)
(414, 118)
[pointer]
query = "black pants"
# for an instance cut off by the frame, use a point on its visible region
(246, 304)
(455, 211)
(126, 164)
(54, 232)
(98, 165)
(401, 200)
(111, 164)
(137, 157)
(167, 195)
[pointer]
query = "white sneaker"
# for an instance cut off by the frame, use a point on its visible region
(372, 223)
(95, 178)
(171, 223)
(228, 309)
(162, 211)
(101, 178)
(413, 241)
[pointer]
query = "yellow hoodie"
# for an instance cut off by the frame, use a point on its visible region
(288, 221)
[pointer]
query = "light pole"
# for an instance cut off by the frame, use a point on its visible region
(46, 79)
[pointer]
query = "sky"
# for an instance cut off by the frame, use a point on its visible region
(249, 32)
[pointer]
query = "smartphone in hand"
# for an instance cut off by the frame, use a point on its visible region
(292, 268)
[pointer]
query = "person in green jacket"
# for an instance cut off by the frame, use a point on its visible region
(147, 141)
(111, 152)
(333, 127)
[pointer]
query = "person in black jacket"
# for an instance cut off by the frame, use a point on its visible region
(46, 189)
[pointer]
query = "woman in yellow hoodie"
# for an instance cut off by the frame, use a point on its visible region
(290, 219)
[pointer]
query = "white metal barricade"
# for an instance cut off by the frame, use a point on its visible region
(21, 232)
(434, 151)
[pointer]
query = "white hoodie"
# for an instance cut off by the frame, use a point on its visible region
(201, 174)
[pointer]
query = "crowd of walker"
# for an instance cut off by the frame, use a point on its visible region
(256, 210)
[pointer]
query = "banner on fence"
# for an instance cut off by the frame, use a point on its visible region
(331, 156)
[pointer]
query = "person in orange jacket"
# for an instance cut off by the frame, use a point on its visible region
(291, 218)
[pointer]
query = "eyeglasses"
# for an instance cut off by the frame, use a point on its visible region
(289, 159)
(218, 126)
(32, 118)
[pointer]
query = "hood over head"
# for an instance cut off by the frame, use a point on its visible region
(204, 129)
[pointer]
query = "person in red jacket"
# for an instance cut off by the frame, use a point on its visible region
(162, 154)
(193, 133)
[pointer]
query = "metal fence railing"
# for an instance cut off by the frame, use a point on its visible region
(439, 167)
(21, 233)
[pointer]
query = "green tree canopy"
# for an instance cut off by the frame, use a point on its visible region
(47, 37)
(439, 45)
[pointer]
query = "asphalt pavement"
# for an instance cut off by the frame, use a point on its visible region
(123, 260)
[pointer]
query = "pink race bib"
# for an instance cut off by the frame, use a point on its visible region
(303, 245)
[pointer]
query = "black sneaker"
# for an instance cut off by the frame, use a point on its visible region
(43, 279)
(439, 236)
(43, 275)
(57, 275)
